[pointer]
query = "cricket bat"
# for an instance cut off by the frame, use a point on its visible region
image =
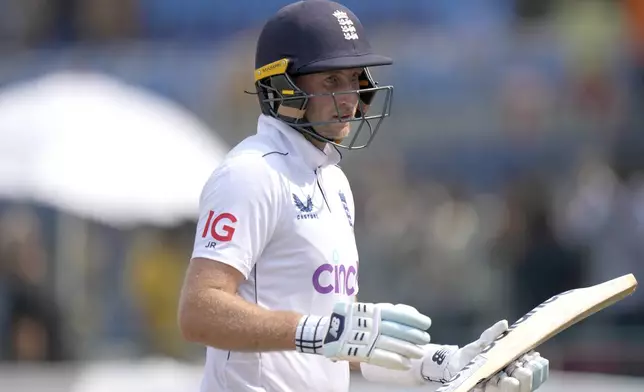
(537, 326)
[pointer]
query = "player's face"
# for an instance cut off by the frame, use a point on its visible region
(320, 109)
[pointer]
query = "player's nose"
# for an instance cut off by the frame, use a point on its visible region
(347, 104)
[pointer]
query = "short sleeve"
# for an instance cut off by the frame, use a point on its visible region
(238, 212)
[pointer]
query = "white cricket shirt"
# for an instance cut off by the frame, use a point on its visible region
(280, 211)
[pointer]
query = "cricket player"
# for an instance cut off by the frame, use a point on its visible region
(271, 287)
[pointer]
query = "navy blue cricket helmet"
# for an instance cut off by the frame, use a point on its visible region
(317, 36)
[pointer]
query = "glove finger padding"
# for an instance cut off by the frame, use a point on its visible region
(404, 332)
(526, 374)
(389, 360)
(545, 371)
(363, 324)
(473, 349)
(490, 334)
(523, 376)
(398, 346)
(539, 366)
(508, 384)
(535, 366)
(360, 337)
(405, 315)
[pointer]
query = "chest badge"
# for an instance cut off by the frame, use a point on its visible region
(304, 209)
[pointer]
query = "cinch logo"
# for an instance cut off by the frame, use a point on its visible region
(335, 278)
(223, 232)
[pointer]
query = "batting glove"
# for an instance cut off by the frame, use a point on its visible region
(526, 374)
(386, 335)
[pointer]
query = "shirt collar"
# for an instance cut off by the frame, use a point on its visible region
(298, 145)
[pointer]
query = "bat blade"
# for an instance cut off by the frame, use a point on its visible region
(537, 326)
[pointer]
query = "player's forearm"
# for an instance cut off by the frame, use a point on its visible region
(218, 319)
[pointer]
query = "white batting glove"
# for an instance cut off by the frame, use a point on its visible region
(526, 374)
(382, 334)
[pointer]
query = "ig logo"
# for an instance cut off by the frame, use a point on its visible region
(219, 232)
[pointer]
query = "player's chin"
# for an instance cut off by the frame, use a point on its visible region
(340, 131)
(335, 132)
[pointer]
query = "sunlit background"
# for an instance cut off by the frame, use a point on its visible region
(511, 169)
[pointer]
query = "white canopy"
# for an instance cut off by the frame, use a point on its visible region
(98, 148)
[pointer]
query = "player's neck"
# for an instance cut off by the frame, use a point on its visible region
(317, 143)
